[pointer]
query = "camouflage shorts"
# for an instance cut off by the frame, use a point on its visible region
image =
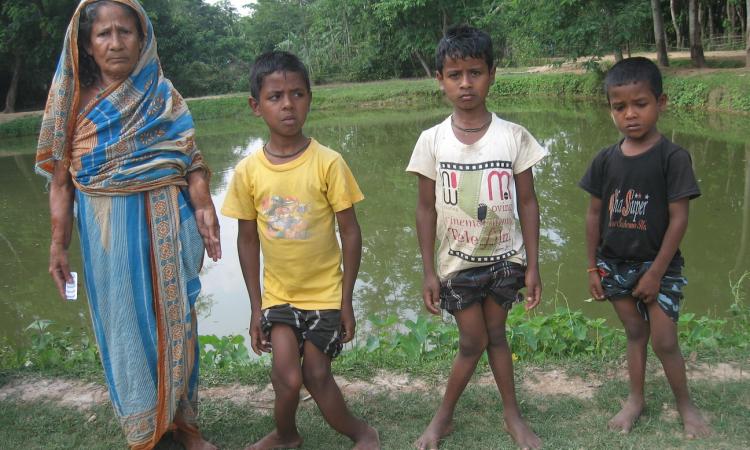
(619, 278)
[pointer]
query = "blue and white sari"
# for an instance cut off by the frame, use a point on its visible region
(129, 152)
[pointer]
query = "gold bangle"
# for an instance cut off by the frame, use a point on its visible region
(592, 269)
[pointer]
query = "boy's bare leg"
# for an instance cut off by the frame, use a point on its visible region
(286, 377)
(472, 342)
(667, 348)
(316, 374)
(501, 363)
(637, 333)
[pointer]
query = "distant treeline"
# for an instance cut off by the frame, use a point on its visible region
(207, 49)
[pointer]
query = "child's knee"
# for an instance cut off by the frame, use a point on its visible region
(496, 337)
(315, 375)
(472, 345)
(665, 346)
(286, 381)
(636, 330)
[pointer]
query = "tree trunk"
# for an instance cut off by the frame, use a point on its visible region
(424, 64)
(747, 39)
(661, 45)
(618, 54)
(710, 21)
(731, 19)
(696, 46)
(738, 10)
(10, 98)
(675, 24)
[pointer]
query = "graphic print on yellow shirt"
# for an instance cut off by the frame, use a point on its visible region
(295, 206)
(286, 217)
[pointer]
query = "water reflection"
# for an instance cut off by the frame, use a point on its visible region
(377, 146)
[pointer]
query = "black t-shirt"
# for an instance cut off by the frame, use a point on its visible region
(636, 192)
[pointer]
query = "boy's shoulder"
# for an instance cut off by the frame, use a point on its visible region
(249, 160)
(434, 130)
(324, 152)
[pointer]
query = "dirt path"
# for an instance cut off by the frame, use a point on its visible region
(84, 396)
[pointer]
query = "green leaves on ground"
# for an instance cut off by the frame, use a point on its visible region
(395, 343)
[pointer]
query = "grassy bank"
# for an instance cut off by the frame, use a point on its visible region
(569, 370)
(562, 421)
(726, 91)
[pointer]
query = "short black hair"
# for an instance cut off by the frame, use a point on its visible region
(633, 70)
(275, 61)
(464, 41)
(88, 69)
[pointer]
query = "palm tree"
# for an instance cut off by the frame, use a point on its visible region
(661, 44)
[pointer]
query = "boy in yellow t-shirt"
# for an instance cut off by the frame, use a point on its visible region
(287, 197)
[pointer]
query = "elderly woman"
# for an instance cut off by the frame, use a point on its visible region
(117, 143)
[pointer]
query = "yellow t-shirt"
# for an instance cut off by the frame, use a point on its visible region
(294, 205)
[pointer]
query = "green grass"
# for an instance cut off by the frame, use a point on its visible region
(712, 63)
(717, 91)
(563, 422)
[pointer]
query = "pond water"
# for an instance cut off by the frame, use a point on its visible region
(377, 146)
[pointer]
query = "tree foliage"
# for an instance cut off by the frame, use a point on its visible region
(208, 48)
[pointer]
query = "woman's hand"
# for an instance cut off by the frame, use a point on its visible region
(205, 213)
(59, 268)
(208, 227)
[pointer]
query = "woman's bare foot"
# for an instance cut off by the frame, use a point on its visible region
(523, 436)
(273, 440)
(694, 424)
(370, 440)
(192, 441)
(624, 420)
(438, 429)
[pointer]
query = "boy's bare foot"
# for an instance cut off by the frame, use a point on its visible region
(273, 440)
(192, 441)
(694, 424)
(624, 420)
(523, 436)
(438, 429)
(370, 440)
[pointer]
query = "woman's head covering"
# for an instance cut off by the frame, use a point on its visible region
(140, 121)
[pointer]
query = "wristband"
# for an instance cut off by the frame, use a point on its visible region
(592, 269)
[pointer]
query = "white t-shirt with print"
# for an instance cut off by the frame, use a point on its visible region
(475, 198)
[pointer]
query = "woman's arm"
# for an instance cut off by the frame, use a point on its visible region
(205, 213)
(351, 249)
(528, 212)
(61, 195)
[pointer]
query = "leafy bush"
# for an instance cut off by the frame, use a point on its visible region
(223, 352)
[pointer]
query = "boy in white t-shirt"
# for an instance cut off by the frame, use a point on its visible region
(474, 174)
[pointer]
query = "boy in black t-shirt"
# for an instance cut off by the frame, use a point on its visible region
(640, 188)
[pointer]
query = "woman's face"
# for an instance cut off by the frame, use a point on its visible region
(115, 43)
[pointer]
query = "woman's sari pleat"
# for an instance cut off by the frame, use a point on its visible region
(142, 254)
